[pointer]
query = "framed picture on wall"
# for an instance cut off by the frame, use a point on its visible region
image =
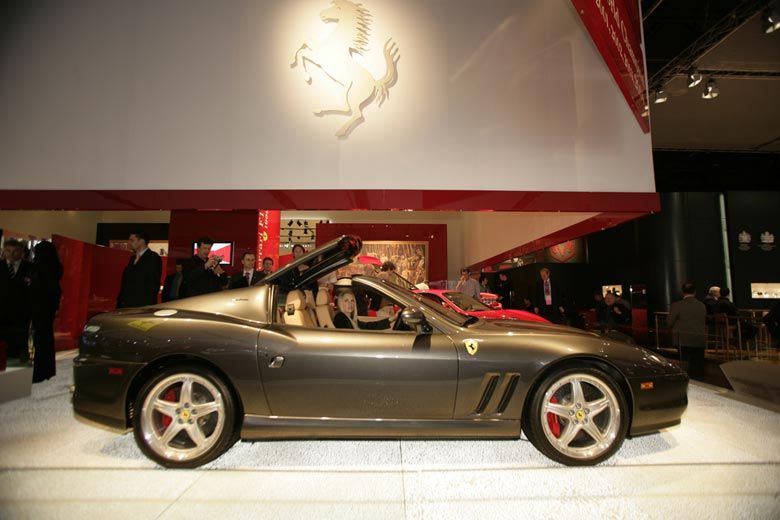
(410, 258)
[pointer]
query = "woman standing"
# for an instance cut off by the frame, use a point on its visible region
(44, 301)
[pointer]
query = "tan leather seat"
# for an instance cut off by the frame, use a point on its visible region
(310, 307)
(324, 310)
(295, 309)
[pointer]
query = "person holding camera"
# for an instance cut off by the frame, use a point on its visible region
(202, 274)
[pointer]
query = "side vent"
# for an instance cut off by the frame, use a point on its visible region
(508, 393)
(490, 387)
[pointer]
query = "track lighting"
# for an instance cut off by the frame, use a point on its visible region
(711, 91)
(694, 78)
(660, 97)
(771, 19)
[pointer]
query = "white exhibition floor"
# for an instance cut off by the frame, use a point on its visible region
(722, 462)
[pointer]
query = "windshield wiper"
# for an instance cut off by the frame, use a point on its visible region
(470, 321)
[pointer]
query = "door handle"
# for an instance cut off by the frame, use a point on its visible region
(276, 362)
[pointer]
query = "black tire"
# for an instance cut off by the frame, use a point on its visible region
(577, 431)
(188, 433)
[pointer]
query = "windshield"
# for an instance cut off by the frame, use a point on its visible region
(438, 308)
(465, 302)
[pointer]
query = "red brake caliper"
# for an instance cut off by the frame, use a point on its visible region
(169, 396)
(552, 420)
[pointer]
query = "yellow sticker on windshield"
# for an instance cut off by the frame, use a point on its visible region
(143, 325)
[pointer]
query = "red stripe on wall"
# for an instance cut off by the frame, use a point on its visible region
(441, 200)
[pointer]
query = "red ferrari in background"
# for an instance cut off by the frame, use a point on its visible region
(468, 306)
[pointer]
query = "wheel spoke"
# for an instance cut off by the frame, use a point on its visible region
(186, 391)
(576, 391)
(165, 407)
(593, 430)
(204, 409)
(597, 406)
(195, 433)
(170, 433)
(558, 409)
(569, 433)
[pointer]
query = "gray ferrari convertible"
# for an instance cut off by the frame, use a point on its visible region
(266, 362)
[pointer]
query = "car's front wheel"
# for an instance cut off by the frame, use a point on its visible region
(577, 416)
(185, 417)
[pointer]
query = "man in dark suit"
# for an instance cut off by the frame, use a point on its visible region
(202, 274)
(248, 275)
(687, 320)
(548, 298)
(141, 277)
(172, 285)
(504, 291)
(14, 308)
(724, 305)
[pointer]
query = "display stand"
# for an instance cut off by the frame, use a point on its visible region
(15, 383)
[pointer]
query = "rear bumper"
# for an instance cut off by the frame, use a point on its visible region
(658, 407)
(101, 389)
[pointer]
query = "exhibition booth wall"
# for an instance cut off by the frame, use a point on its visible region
(90, 285)
(135, 109)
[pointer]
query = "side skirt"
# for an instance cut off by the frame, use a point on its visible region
(264, 427)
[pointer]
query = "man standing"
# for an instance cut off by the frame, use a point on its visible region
(468, 283)
(14, 308)
(202, 274)
(548, 298)
(711, 300)
(268, 264)
(248, 276)
(612, 313)
(724, 305)
(687, 321)
(172, 286)
(141, 277)
(504, 291)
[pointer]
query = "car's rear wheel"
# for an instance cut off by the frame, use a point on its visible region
(577, 416)
(185, 417)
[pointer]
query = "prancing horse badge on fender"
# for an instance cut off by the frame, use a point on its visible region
(472, 345)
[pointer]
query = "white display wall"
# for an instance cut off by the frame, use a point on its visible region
(199, 94)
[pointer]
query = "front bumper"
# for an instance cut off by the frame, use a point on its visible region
(101, 388)
(659, 402)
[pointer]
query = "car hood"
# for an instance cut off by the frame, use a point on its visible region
(531, 327)
(507, 314)
(631, 359)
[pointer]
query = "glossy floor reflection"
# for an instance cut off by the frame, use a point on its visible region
(722, 462)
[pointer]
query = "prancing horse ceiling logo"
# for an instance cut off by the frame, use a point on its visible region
(335, 56)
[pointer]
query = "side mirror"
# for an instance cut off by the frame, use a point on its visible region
(412, 317)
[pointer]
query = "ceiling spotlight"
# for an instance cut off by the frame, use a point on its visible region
(694, 78)
(711, 91)
(660, 97)
(771, 19)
